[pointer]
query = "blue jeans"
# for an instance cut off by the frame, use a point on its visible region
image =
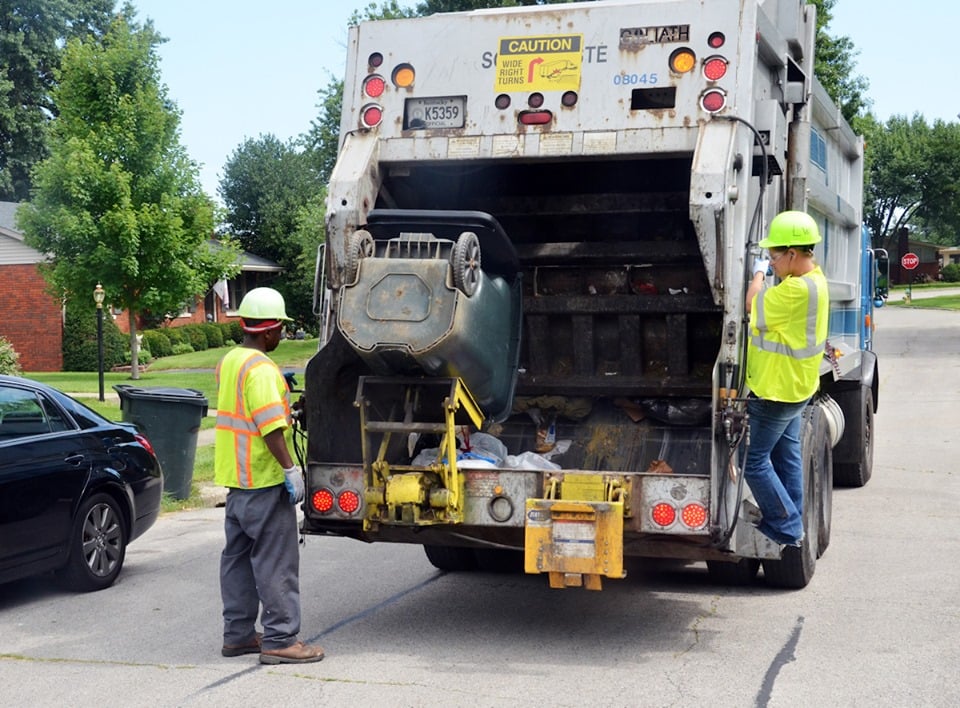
(774, 467)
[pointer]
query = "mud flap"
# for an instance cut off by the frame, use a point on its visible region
(576, 542)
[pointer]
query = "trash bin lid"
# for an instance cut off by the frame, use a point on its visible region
(162, 393)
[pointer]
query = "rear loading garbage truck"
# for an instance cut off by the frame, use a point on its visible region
(539, 232)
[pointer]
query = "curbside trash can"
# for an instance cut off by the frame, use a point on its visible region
(170, 418)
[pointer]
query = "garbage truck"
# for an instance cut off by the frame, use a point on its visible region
(539, 233)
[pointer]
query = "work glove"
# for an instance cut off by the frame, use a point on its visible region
(761, 265)
(293, 481)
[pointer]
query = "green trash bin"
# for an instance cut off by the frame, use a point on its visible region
(170, 418)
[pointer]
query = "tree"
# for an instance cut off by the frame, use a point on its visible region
(117, 201)
(265, 185)
(31, 36)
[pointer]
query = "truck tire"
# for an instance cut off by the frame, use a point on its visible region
(451, 558)
(857, 441)
(499, 560)
(824, 472)
(796, 566)
(359, 246)
(465, 262)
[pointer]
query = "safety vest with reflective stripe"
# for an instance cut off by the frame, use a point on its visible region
(253, 400)
(788, 331)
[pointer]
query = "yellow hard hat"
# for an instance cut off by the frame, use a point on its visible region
(263, 304)
(791, 228)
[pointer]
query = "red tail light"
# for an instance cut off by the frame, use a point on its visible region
(663, 514)
(713, 100)
(146, 443)
(371, 115)
(348, 501)
(694, 515)
(322, 500)
(714, 68)
(535, 117)
(373, 86)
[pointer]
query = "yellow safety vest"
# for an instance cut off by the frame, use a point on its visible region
(253, 400)
(788, 330)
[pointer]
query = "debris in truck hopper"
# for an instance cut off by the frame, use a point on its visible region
(546, 433)
(692, 411)
(677, 291)
(631, 408)
(574, 408)
(660, 467)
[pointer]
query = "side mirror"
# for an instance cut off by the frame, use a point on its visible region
(882, 287)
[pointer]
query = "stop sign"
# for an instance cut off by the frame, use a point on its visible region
(910, 261)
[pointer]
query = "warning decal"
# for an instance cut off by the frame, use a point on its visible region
(548, 63)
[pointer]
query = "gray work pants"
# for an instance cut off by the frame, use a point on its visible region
(260, 564)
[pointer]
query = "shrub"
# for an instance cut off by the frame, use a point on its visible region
(175, 335)
(195, 336)
(9, 359)
(80, 340)
(157, 342)
(951, 272)
(232, 331)
(182, 348)
(213, 334)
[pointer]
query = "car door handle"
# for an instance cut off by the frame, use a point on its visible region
(75, 460)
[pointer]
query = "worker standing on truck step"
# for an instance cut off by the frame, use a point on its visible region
(260, 563)
(788, 330)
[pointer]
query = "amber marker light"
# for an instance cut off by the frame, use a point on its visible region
(682, 60)
(403, 76)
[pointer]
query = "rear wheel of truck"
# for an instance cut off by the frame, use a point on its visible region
(499, 560)
(452, 558)
(796, 566)
(857, 407)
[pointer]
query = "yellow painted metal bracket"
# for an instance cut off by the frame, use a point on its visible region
(576, 542)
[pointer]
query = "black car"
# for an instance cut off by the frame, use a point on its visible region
(75, 488)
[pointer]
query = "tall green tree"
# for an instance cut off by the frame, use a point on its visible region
(117, 201)
(265, 184)
(32, 34)
(835, 66)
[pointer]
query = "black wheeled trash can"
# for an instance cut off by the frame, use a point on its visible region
(170, 418)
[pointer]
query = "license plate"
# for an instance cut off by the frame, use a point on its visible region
(429, 113)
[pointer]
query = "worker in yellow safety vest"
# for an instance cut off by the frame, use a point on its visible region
(260, 563)
(788, 331)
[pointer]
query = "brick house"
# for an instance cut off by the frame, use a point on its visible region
(32, 320)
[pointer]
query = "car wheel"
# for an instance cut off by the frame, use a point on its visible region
(98, 545)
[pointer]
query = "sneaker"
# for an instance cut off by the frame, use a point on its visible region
(297, 653)
(250, 647)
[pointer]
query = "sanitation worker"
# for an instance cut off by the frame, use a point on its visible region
(788, 331)
(260, 563)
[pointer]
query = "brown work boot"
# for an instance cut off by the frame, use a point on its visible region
(249, 647)
(297, 653)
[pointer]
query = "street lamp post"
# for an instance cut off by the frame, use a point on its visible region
(98, 298)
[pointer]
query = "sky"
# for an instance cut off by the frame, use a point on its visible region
(239, 69)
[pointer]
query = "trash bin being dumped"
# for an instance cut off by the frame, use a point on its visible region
(170, 418)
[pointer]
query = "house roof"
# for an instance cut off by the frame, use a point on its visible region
(13, 249)
(8, 212)
(251, 262)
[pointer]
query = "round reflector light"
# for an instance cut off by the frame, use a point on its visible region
(569, 98)
(322, 500)
(348, 501)
(716, 40)
(714, 68)
(663, 514)
(535, 100)
(682, 60)
(403, 76)
(502, 101)
(371, 115)
(375, 60)
(373, 86)
(713, 101)
(694, 516)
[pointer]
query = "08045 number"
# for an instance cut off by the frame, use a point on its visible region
(634, 79)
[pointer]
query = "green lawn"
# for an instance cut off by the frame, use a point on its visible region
(190, 371)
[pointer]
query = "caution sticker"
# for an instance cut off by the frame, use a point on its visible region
(547, 63)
